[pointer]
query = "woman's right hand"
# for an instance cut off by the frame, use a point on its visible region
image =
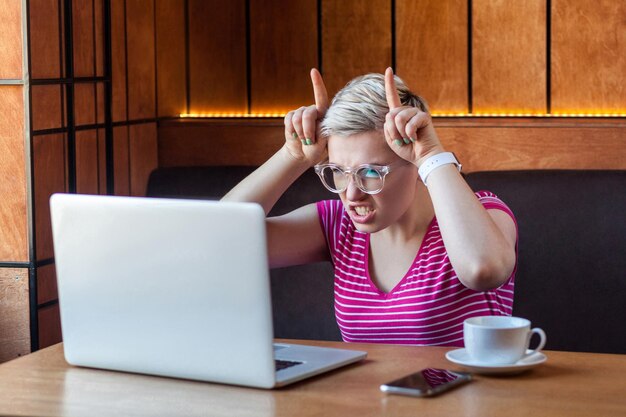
(303, 141)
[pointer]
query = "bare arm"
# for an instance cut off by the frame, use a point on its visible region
(303, 148)
(296, 237)
(267, 183)
(480, 243)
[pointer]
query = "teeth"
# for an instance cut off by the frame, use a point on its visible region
(362, 211)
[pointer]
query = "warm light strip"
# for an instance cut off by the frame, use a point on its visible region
(231, 115)
(435, 114)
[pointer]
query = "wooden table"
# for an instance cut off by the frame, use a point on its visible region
(568, 384)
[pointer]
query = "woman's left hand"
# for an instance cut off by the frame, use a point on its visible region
(408, 130)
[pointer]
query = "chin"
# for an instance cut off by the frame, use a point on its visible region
(367, 228)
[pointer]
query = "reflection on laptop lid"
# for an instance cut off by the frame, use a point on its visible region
(176, 288)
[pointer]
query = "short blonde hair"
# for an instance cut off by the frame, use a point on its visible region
(361, 106)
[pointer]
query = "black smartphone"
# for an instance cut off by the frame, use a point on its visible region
(427, 382)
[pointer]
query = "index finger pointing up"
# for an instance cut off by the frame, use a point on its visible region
(319, 90)
(393, 99)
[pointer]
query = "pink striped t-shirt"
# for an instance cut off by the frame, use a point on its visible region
(427, 307)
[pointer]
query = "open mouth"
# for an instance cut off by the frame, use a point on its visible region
(362, 211)
(362, 214)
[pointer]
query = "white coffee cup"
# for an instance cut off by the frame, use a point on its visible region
(499, 340)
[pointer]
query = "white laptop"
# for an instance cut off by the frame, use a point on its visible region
(177, 288)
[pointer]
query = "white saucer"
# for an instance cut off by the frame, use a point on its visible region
(461, 357)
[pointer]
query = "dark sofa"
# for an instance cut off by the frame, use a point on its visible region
(571, 278)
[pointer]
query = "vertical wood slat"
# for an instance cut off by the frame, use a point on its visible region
(87, 162)
(102, 163)
(100, 105)
(49, 326)
(49, 172)
(356, 39)
(84, 104)
(121, 168)
(62, 35)
(171, 64)
(141, 50)
(142, 155)
(11, 40)
(14, 321)
(44, 42)
(46, 110)
(509, 56)
(281, 55)
(217, 56)
(588, 56)
(83, 38)
(13, 212)
(46, 284)
(98, 12)
(118, 61)
(431, 51)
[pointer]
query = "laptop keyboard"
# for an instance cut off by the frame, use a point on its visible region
(280, 364)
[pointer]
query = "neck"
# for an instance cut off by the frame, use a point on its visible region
(414, 223)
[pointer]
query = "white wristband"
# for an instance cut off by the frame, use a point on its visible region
(435, 162)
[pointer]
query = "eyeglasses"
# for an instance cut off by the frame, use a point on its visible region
(368, 178)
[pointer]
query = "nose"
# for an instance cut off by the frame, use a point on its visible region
(353, 193)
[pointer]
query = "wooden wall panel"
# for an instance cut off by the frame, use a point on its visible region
(49, 173)
(141, 59)
(217, 56)
(218, 142)
(46, 107)
(84, 104)
(431, 51)
(481, 144)
(118, 61)
(45, 61)
(14, 320)
(11, 40)
(13, 213)
(98, 10)
(171, 65)
(501, 145)
(102, 162)
(100, 107)
(281, 55)
(588, 56)
(46, 284)
(83, 38)
(49, 326)
(87, 162)
(143, 156)
(356, 39)
(121, 164)
(509, 56)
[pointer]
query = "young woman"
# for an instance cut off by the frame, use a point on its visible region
(415, 250)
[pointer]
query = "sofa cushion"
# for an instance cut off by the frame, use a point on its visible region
(571, 277)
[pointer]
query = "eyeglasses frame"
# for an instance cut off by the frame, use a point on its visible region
(351, 171)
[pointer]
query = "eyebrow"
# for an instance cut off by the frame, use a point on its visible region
(368, 163)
